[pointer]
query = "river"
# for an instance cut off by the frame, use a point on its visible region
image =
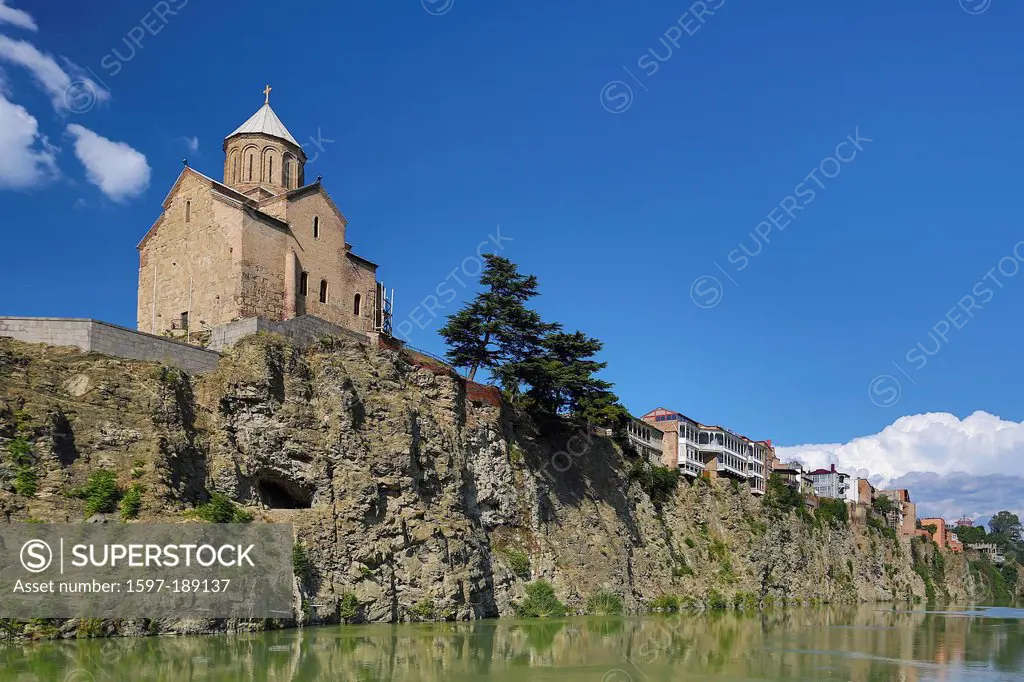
(859, 644)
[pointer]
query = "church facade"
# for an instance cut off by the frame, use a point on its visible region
(261, 243)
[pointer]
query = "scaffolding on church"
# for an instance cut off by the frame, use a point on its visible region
(385, 310)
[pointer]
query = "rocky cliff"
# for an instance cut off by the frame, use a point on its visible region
(421, 496)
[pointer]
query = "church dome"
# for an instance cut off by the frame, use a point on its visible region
(264, 121)
(261, 157)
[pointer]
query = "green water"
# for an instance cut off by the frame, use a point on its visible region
(863, 644)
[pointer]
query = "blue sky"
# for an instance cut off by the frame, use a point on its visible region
(448, 118)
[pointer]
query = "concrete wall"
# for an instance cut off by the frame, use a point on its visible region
(94, 336)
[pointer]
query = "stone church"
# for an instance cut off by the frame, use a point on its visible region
(262, 243)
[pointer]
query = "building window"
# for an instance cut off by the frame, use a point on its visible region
(316, 227)
(184, 320)
(355, 305)
(188, 211)
(250, 168)
(286, 168)
(270, 169)
(323, 291)
(234, 167)
(304, 284)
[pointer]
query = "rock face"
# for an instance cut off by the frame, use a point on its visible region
(422, 496)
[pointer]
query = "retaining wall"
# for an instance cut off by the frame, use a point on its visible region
(93, 336)
(303, 331)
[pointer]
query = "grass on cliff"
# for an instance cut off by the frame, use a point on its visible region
(100, 492)
(666, 603)
(131, 503)
(604, 603)
(517, 560)
(540, 602)
(26, 479)
(220, 510)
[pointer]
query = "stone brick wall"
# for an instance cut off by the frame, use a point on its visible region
(268, 156)
(326, 258)
(264, 248)
(93, 336)
(302, 330)
(190, 265)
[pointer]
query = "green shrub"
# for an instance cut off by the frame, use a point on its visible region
(424, 610)
(717, 601)
(518, 561)
(26, 479)
(666, 603)
(348, 607)
(781, 496)
(100, 492)
(540, 602)
(10, 628)
(689, 543)
(89, 627)
(831, 511)
(301, 564)
(604, 603)
(221, 510)
(131, 503)
(658, 482)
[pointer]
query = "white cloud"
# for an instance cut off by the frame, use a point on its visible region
(53, 78)
(192, 143)
(16, 17)
(939, 451)
(116, 168)
(26, 157)
(936, 442)
(956, 495)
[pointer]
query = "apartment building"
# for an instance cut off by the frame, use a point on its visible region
(795, 476)
(990, 550)
(903, 516)
(943, 535)
(646, 439)
(698, 449)
(830, 483)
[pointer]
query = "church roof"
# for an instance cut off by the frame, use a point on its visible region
(265, 121)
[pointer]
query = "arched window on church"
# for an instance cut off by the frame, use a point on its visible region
(304, 284)
(270, 169)
(234, 167)
(286, 168)
(323, 291)
(188, 211)
(355, 305)
(316, 227)
(250, 167)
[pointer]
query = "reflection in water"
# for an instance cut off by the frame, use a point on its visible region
(857, 644)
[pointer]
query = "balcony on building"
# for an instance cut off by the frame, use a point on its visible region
(729, 450)
(646, 440)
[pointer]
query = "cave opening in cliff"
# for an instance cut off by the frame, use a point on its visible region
(277, 494)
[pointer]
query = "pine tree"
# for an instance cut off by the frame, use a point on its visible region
(561, 377)
(496, 328)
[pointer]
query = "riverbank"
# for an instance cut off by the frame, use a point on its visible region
(852, 643)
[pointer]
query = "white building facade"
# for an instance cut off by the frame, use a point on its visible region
(830, 483)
